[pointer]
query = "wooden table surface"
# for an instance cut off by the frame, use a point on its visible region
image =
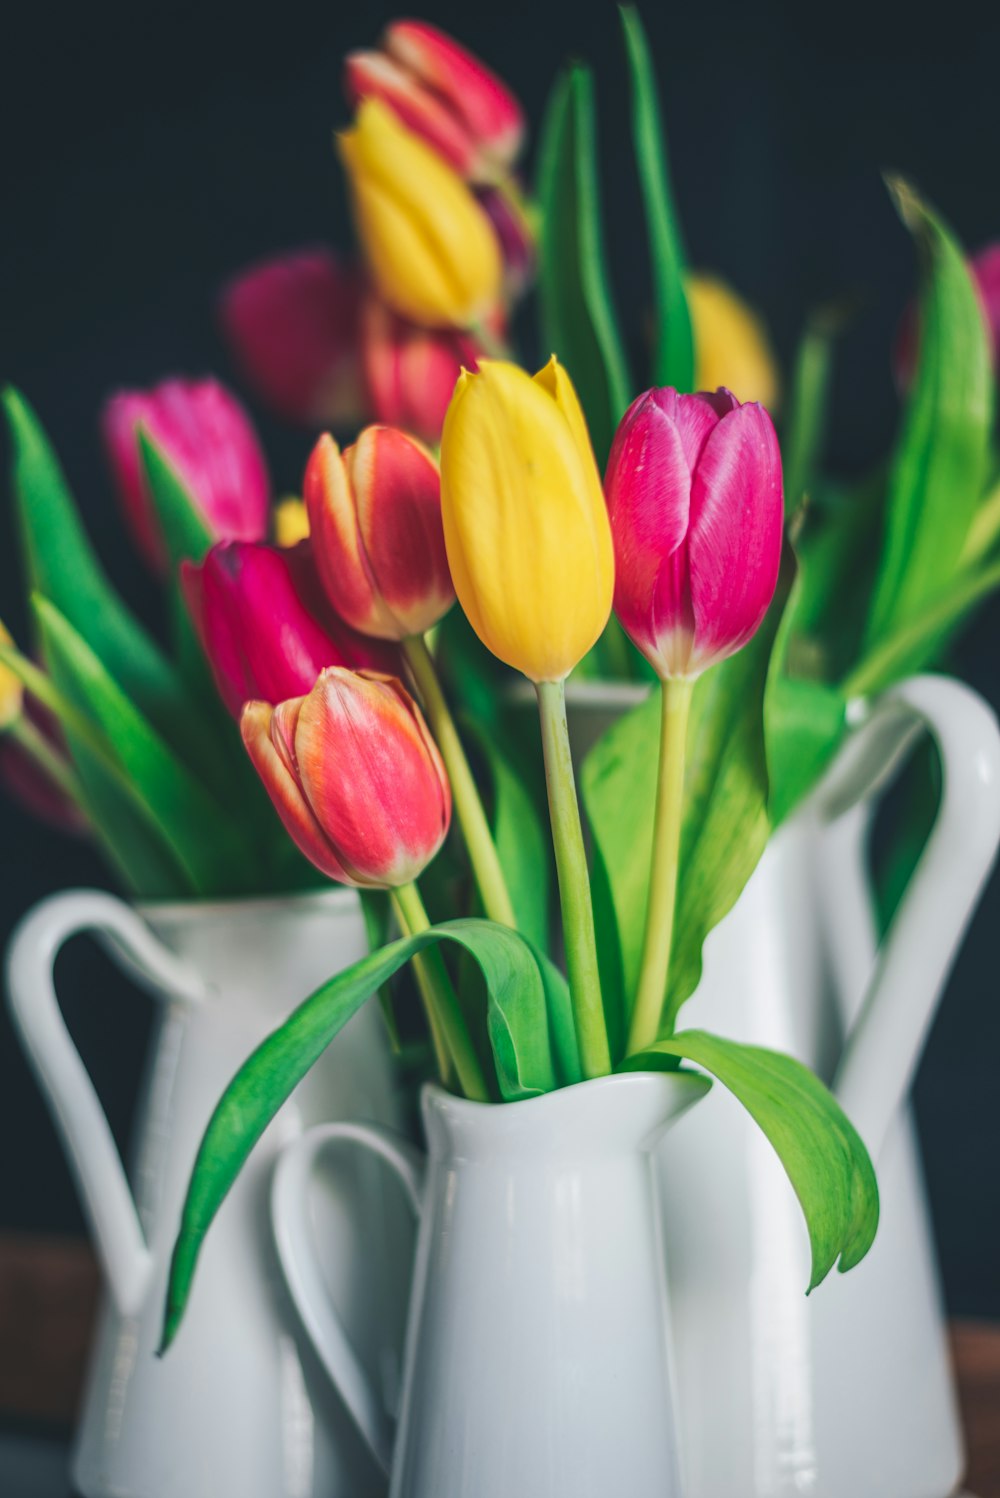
(48, 1297)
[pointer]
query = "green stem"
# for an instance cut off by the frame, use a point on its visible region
(444, 1011)
(53, 766)
(574, 882)
(675, 708)
(810, 391)
(492, 346)
(468, 805)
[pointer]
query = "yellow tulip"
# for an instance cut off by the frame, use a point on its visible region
(525, 523)
(731, 343)
(11, 690)
(430, 247)
(291, 523)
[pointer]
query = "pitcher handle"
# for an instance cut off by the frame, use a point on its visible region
(885, 1041)
(65, 1082)
(301, 1268)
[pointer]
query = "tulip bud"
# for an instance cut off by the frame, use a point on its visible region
(430, 247)
(410, 372)
(265, 625)
(375, 521)
(11, 689)
(694, 494)
(354, 775)
(475, 95)
(291, 522)
(525, 523)
(204, 432)
(512, 225)
(373, 75)
(292, 325)
(731, 343)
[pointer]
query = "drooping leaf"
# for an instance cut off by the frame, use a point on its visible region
(61, 564)
(673, 360)
(941, 461)
(203, 840)
(725, 825)
(578, 317)
(515, 985)
(818, 1146)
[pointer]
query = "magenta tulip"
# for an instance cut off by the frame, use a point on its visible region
(694, 494)
(204, 432)
(265, 625)
(292, 325)
(355, 776)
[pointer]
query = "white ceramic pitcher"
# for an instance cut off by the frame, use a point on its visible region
(537, 1352)
(846, 1394)
(237, 1406)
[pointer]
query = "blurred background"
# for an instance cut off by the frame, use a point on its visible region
(151, 151)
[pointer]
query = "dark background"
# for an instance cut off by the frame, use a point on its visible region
(149, 151)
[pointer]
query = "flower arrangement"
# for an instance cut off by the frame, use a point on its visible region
(757, 608)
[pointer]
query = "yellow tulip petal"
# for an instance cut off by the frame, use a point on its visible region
(732, 346)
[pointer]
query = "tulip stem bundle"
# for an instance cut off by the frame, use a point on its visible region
(443, 1009)
(468, 804)
(675, 702)
(574, 882)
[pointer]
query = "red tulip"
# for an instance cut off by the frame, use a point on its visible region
(443, 93)
(410, 372)
(354, 775)
(694, 494)
(375, 525)
(292, 325)
(265, 624)
(204, 432)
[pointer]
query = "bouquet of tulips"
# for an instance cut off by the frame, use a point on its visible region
(754, 610)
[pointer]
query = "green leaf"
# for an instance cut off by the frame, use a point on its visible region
(62, 566)
(673, 362)
(578, 318)
(810, 395)
(725, 828)
(515, 985)
(818, 1146)
(185, 532)
(202, 839)
(521, 840)
(940, 465)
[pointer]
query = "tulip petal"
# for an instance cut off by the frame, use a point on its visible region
(373, 75)
(282, 787)
(734, 540)
(338, 547)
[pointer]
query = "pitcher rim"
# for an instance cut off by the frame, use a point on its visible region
(334, 896)
(468, 1108)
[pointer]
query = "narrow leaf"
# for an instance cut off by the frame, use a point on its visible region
(673, 362)
(521, 840)
(578, 318)
(818, 1146)
(268, 1078)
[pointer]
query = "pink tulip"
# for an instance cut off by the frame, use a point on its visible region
(265, 624)
(375, 524)
(694, 494)
(204, 432)
(443, 93)
(410, 372)
(354, 775)
(292, 325)
(985, 269)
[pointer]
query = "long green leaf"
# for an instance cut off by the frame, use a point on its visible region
(673, 360)
(61, 564)
(818, 1146)
(205, 842)
(515, 985)
(578, 318)
(941, 462)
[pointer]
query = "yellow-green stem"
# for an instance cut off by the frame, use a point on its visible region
(443, 1009)
(574, 883)
(468, 805)
(662, 901)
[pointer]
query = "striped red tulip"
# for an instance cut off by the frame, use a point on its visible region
(694, 494)
(375, 526)
(292, 325)
(265, 625)
(205, 434)
(355, 777)
(443, 93)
